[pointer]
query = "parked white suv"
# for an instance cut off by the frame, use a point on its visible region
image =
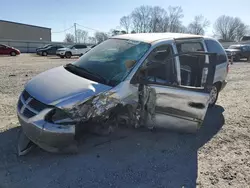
(74, 50)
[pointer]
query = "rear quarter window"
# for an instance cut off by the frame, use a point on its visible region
(81, 46)
(215, 47)
(190, 47)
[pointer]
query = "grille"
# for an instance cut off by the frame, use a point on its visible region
(29, 106)
(37, 105)
(25, 95)
(19, 105)
(27, 113)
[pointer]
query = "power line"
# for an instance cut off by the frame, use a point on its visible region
(90, 28)
(63, 30)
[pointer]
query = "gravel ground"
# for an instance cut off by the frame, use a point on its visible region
(217, 156)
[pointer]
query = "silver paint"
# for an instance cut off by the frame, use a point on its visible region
(82, 100)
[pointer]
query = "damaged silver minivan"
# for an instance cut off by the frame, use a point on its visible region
(155, 80)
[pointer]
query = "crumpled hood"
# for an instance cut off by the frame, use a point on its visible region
(57, 85)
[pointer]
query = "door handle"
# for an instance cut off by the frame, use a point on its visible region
(196, 105)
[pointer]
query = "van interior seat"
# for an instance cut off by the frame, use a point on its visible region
(195, 65)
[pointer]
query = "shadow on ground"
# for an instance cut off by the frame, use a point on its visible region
(129, 159)
(56, 57)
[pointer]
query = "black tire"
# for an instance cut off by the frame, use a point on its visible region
(13, 53)
(216, 87)
(248, 58)
(237, 58)
(44, 53)
(68, 55)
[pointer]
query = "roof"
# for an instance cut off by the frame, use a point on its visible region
(24, 24)
(152, 37)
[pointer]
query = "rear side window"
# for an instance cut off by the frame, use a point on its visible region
(80, 46)
(246, 48)
(215, 47)
(189, 47)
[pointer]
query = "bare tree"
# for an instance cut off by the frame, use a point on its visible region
(175, 14)
(198, 25)
(156, 19)
(114, 32)
(141, 19)
(123, 32)
(230, 28)
(81, 35)
(182, 29)
(101, 36)
(92, 40)
(125, 22)
(69, 38)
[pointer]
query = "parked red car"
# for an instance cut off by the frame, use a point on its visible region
(7, 50)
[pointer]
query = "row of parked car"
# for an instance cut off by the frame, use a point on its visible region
(62, 51)
(7, 50)
(238, 51)
(50, 49)
(234, 52)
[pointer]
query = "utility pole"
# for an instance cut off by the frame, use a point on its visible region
(75, 33)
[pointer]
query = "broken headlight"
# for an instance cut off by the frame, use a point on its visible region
(58, 116)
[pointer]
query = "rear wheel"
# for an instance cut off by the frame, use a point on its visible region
(44, 53)
(13, 53)
(237, 58)
(214, 93)
(68, 54)
(248, 58)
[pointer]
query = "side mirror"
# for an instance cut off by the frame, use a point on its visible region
(130, 63)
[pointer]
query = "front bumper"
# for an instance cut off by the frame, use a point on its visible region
(60, 53)
(48, 136)
(39, 52)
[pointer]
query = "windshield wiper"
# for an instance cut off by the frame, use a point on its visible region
(99, 77)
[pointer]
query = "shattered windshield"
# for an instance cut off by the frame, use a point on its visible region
(108, 58)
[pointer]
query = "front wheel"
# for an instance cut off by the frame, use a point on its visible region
(214, 93)
(248, 58)
(237, 58)
(13, 53)
(44, 53)
(68, 55)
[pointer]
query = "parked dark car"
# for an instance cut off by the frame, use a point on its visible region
(239, 51)
(49, 50)
(245, 38)
(46, 46)
(7, 50)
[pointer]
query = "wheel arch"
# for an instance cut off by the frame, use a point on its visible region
(219, 84)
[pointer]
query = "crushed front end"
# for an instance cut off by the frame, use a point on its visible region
(33, 117)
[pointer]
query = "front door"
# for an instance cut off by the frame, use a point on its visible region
(245, 51)
(3, 50)
(52, 50)
(176, 96)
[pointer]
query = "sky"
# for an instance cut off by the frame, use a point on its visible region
(105, 15)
